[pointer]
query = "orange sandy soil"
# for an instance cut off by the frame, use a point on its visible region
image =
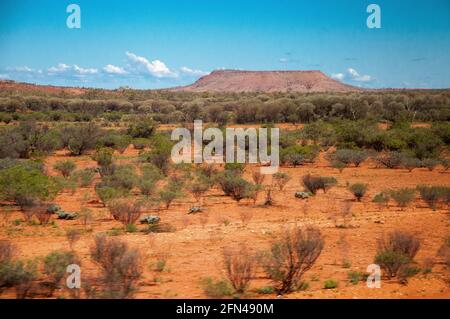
(194, 250)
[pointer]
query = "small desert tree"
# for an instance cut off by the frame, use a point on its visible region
(171, 192)
(121, 266)
(240, 267)
(55, 266)
(126, 210)
(314, 183)
(65, 167)
(291, 256)
(258, 177)
(281, 179)
(358, 190)
(150, 175)
(199, 187)
(432, 194)
(403, 196)
(396, 253)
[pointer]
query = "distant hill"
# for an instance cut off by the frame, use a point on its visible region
(8, 85)
(266, 81)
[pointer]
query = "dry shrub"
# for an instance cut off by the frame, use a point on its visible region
(269, 196)
(344, 247)
(39, 210)
(404, 196)
(240, 267)
(258, 178)
(358, 190)
(7, 250)
(43, 217)
(121, 266)
(444, 251)
(28, 210)
(125, 211)
(281, 179)
(73, 235)
(85, 216)
(246, 216)
(389, 159)
(291, 256)
(396, 252)
(314, 183)
(346, 213)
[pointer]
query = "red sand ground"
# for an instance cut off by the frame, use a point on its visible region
(195, 249)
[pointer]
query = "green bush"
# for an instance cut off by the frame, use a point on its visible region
(396, 252)
(314, 183)
(84, 177)
(27, 139)
(381, 199)
(216, 289)
(82, 138)
(390, 159)
(433, 194)
(430, 163)
(125, 210)
(281, 179)
(18, 274)
(298, 154)
(143, 127)
(347, 156)
(355, 277)
(24, 185)
(108, 193)
(55, 265)
(411, 163)
(237, 168)
(121, 266)
(65, 167)
(358, 190)
(172, 191)
(330, 284)
(114, 140)
(403, 196)
(234, 185)
(104, 156)
(160, 153)
(267, 290)
(123, 177)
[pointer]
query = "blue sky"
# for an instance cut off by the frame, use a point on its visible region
(154, 44)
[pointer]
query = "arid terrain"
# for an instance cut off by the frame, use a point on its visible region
(194, 249)
(104, 159)
(267, 81)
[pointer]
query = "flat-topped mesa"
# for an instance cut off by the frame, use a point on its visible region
(266, 81)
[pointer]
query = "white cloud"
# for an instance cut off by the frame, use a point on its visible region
(189, 71)
(364, 78)
(84, 71)
(156, 68)
(23, 69)
(355, 76)
(353, 72)
(352, 75)
(61, 67)
(112, 69)
(338, 76)
(4, 76)
(283, 60)
(136, 69)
